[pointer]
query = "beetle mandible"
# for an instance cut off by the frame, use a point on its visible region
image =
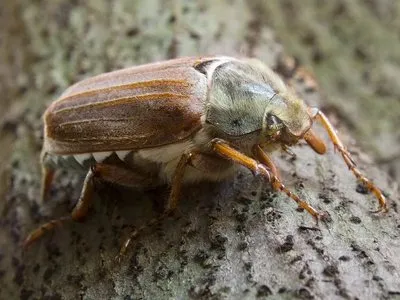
(175, 122)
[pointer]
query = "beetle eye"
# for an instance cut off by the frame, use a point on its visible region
(273, 122)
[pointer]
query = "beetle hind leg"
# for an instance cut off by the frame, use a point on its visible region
(79, 211)
(100, 171)
(47, 179)
(320, 116)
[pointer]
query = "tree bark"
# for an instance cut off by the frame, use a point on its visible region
(230, 240)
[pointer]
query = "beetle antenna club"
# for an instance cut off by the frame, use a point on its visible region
(177, 122)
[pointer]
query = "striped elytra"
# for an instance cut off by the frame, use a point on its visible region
(138, 107)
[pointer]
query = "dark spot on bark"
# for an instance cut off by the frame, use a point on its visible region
(248, 266)
(201, 258)
(263, 291)
(370, 262)
(317, 57)
(51, 90)
(282, 290)
(361, 253)
(344, 258)
(320, 251)
(362, 189)
(296, 259)
(325, 198)
(306, 228)
(287, 245)
(360, 53)
(377, 278)
(309, 38)
(330, 271)
(355, 220)
(241, 217)
(244, 200)
(304, 293)
(240, 228)
(132, 31)
(194, 35)
(218, 242)
(243, 246)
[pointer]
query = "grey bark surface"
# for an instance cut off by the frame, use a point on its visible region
(230, 240)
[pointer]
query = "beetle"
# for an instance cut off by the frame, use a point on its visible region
(176, 122)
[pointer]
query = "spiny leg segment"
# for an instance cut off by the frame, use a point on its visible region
(77, 214)
(223, 149)
(320, 116)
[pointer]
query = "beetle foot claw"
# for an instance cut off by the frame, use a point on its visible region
(381, 209)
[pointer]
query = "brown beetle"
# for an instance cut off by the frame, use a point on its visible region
(178, 121)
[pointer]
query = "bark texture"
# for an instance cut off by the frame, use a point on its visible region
(233, 240)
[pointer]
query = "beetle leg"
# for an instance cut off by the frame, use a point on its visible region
(320, 116)
(223, 149)
(47, 179)
(170, 207)
(80, 210)
(315, 142)
(103, 172)
(264, 158)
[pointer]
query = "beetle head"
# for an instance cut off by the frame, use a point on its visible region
(286, 120)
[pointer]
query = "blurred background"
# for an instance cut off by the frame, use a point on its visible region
(351, 46)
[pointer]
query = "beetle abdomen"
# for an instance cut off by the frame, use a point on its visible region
(129, 109)
(83, 161)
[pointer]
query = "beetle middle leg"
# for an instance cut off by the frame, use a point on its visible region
(170, 207)
(105, 172)
(222, 148)
(320, 116)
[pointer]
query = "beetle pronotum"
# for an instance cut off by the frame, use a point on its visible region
(179, 121)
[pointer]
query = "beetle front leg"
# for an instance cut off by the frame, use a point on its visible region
(264, 158)
(320, 116)
(223, 149)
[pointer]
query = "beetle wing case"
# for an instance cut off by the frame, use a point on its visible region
(133, 108)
